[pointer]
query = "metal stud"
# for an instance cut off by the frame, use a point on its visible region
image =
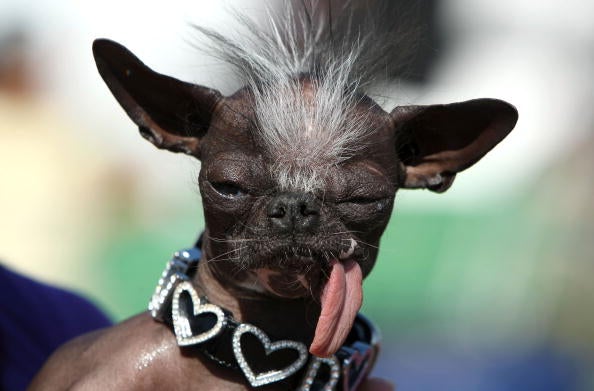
(181, 318)
(312, 373)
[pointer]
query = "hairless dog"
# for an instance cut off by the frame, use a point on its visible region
(299, 170)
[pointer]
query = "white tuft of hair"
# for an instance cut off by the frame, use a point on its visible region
(306, 71)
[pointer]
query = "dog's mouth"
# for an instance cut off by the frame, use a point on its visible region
(332, 278)
(294, 255)
(293, 270)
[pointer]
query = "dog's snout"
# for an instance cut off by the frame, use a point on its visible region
(294, 212)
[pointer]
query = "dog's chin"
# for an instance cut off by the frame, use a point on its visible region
(290, 277)
(295, 272)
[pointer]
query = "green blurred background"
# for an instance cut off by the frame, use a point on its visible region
(486, 287)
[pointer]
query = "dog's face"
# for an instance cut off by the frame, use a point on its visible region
(280, 238)
(293, 186)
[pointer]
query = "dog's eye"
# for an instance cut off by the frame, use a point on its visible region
(362, 200)
(368, 203)
(228, 189)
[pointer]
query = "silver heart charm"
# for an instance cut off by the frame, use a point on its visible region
(181, 319)
(272, 375)
(312, 372)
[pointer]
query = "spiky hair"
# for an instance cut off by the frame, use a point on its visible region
(306, 68)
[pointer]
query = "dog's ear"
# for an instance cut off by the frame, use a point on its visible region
(170, 113)
(436, 142)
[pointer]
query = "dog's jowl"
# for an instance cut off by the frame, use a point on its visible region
(299, 170)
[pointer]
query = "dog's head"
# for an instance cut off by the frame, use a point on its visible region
(292, 184)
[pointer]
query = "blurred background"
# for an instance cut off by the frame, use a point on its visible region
(486, 287)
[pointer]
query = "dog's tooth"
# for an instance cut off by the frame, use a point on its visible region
(345, 254)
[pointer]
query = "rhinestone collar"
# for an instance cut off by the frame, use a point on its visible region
(197, 322)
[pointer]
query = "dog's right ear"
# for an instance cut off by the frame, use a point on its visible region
(170, 113)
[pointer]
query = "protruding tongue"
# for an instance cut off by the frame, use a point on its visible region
(341, 299)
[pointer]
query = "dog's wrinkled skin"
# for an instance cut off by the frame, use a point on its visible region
(267, 252)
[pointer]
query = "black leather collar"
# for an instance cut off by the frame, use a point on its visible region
(214, 332)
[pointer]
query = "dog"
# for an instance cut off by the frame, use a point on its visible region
(299, 171)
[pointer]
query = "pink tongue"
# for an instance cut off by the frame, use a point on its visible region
(341, 299)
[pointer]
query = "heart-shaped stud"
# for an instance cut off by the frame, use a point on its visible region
(269, 347)
(312, 373)
(181, 319)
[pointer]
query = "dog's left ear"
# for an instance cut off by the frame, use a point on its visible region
(170, 113)
(436, 142)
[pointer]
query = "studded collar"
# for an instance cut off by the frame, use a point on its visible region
(219, 337)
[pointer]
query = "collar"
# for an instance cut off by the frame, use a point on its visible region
(219, 337)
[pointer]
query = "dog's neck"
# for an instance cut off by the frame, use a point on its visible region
(282, 318)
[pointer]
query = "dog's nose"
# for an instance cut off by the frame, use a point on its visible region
(294, 212)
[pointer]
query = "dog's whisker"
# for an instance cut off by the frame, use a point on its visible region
(218, 257)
